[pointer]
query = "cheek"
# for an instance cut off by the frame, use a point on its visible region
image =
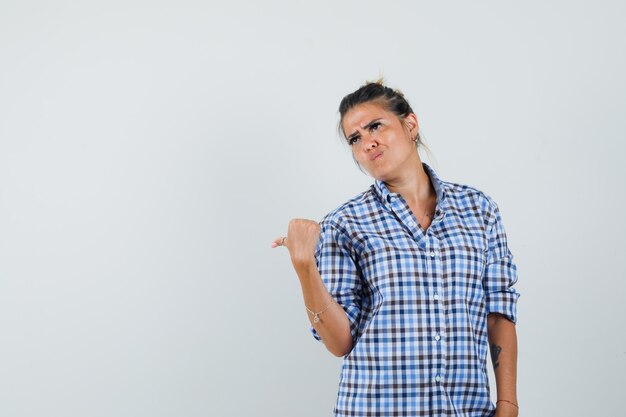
(407, 146)
(355, 157)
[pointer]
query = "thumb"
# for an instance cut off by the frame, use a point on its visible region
(279, 241)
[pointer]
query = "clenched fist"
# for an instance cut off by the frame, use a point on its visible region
(301, 240)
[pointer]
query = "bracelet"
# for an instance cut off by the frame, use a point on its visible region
(316, 317)
(507, 401)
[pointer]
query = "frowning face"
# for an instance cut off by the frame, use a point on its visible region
(381, 142)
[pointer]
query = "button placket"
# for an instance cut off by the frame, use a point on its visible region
(404, 214)
(432, 252)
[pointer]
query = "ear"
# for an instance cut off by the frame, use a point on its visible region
(410, 122)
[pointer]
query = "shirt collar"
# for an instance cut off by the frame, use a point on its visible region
(386, 195)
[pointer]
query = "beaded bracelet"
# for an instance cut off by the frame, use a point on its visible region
(507, 401)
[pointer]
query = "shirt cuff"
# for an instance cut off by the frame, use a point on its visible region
(503, 302)
(352, 312)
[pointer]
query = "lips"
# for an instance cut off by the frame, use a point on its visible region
(376, 156)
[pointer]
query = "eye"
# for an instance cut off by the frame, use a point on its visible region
(353, 139)
(374, 126)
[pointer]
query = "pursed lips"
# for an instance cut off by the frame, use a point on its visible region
(376, 156)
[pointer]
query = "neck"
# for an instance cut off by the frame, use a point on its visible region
(415, 186)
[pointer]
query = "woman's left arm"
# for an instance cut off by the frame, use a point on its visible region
(503, 346)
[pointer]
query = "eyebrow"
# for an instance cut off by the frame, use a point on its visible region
(367, 126)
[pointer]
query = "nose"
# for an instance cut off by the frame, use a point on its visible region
(369, 142)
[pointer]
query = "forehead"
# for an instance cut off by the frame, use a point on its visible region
(362, 114)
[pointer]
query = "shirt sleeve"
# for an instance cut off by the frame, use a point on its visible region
(340, 274)
(500, 271)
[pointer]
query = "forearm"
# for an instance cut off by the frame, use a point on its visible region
(333, 325)
(503, 346)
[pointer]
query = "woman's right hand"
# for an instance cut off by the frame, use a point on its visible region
(301, 240)
(333, 326)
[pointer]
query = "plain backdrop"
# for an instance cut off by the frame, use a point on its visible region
(150, 151)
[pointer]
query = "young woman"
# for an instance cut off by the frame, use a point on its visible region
(410, 280)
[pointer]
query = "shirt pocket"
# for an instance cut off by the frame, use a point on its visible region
(464, 265)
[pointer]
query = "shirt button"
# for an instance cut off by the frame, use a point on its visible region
(437, 378)
(436, 296)
(437, 337)
(432, 254)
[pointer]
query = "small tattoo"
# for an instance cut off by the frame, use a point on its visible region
(495, 352)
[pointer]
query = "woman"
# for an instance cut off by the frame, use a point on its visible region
(410, 280)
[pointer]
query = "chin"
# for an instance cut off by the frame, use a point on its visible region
(377, 175)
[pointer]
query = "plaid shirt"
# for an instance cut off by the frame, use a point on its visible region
(417, 301)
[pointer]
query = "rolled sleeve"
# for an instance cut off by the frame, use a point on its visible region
(500, 271)
(339, 273)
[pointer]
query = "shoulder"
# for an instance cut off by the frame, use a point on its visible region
(338, 225)
(465, 197)
(350, 211)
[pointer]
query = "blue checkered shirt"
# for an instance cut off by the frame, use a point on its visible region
(417, 301)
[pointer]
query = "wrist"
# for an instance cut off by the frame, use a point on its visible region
(304, 264)
(507, 408)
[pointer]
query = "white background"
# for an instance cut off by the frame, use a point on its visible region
(151, 151)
